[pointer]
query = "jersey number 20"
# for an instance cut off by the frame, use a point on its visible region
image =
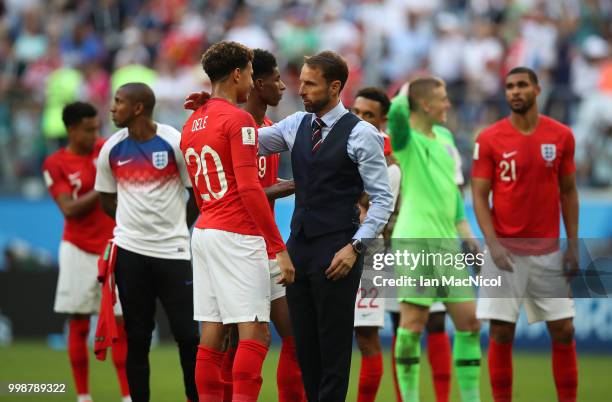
(200, 160)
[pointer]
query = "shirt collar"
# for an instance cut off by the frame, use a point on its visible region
(330, 118)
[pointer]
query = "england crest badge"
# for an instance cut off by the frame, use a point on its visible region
(160, 159)
(549, 153)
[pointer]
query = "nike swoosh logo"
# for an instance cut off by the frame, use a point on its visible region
(509, 154)
(121, 163)
(74, 175)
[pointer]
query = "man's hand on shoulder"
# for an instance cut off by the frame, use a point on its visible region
(195, 100)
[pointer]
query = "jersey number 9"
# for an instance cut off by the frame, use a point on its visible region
(261, 164)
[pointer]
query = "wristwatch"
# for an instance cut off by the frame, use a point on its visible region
(358, 246)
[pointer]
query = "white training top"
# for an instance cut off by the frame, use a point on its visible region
(149, 178)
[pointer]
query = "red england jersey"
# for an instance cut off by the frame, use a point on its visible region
(219, 144)
(268, 166)
(75, 175)
(524, 171)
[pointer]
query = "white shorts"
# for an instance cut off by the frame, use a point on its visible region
(437, 307)
(534, 276)
(231, 278)
(369, 308)
(276, 291)
(392, 305)
(78, 290)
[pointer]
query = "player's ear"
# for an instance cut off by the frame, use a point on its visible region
(258, 83)
(138, 108)
(236, 74)
(70, 130)
(423, 105)
(335, 87)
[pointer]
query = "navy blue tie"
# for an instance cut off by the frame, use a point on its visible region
(317, 134)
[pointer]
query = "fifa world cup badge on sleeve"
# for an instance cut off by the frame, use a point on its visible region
(248, 136)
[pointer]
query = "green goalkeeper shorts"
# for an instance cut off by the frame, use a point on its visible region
(431, 270)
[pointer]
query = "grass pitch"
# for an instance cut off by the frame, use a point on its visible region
(34, 362)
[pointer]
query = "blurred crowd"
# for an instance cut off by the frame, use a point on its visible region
(56, 51)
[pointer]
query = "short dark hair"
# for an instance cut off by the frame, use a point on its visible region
(533, 77)
(421, 87)
(331, 64)
(139, 92)
(75, 112)
(377, 95)
(264, 63)
(222, 58)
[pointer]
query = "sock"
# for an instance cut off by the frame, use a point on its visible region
(565, 371)
(288, 374)
(439, 354)
(226, 373)
(407, 356)
(119, 351)
(467, 354)
(77, 352)
(208, 375)
(246, 372)
(500, 370)
(369, 377)
(398, 396)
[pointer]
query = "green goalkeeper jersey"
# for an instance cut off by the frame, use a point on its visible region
(431, 201)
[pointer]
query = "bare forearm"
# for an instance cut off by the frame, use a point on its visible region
(484, 218)
(280, 190)
(192, 209)
(569, 210)
(74, 208)
(464, 229)
(109, 203)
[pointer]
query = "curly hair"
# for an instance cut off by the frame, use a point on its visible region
(524, 70)
(222, 58)
(264, 63)
(75, 112)
(377, 95)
